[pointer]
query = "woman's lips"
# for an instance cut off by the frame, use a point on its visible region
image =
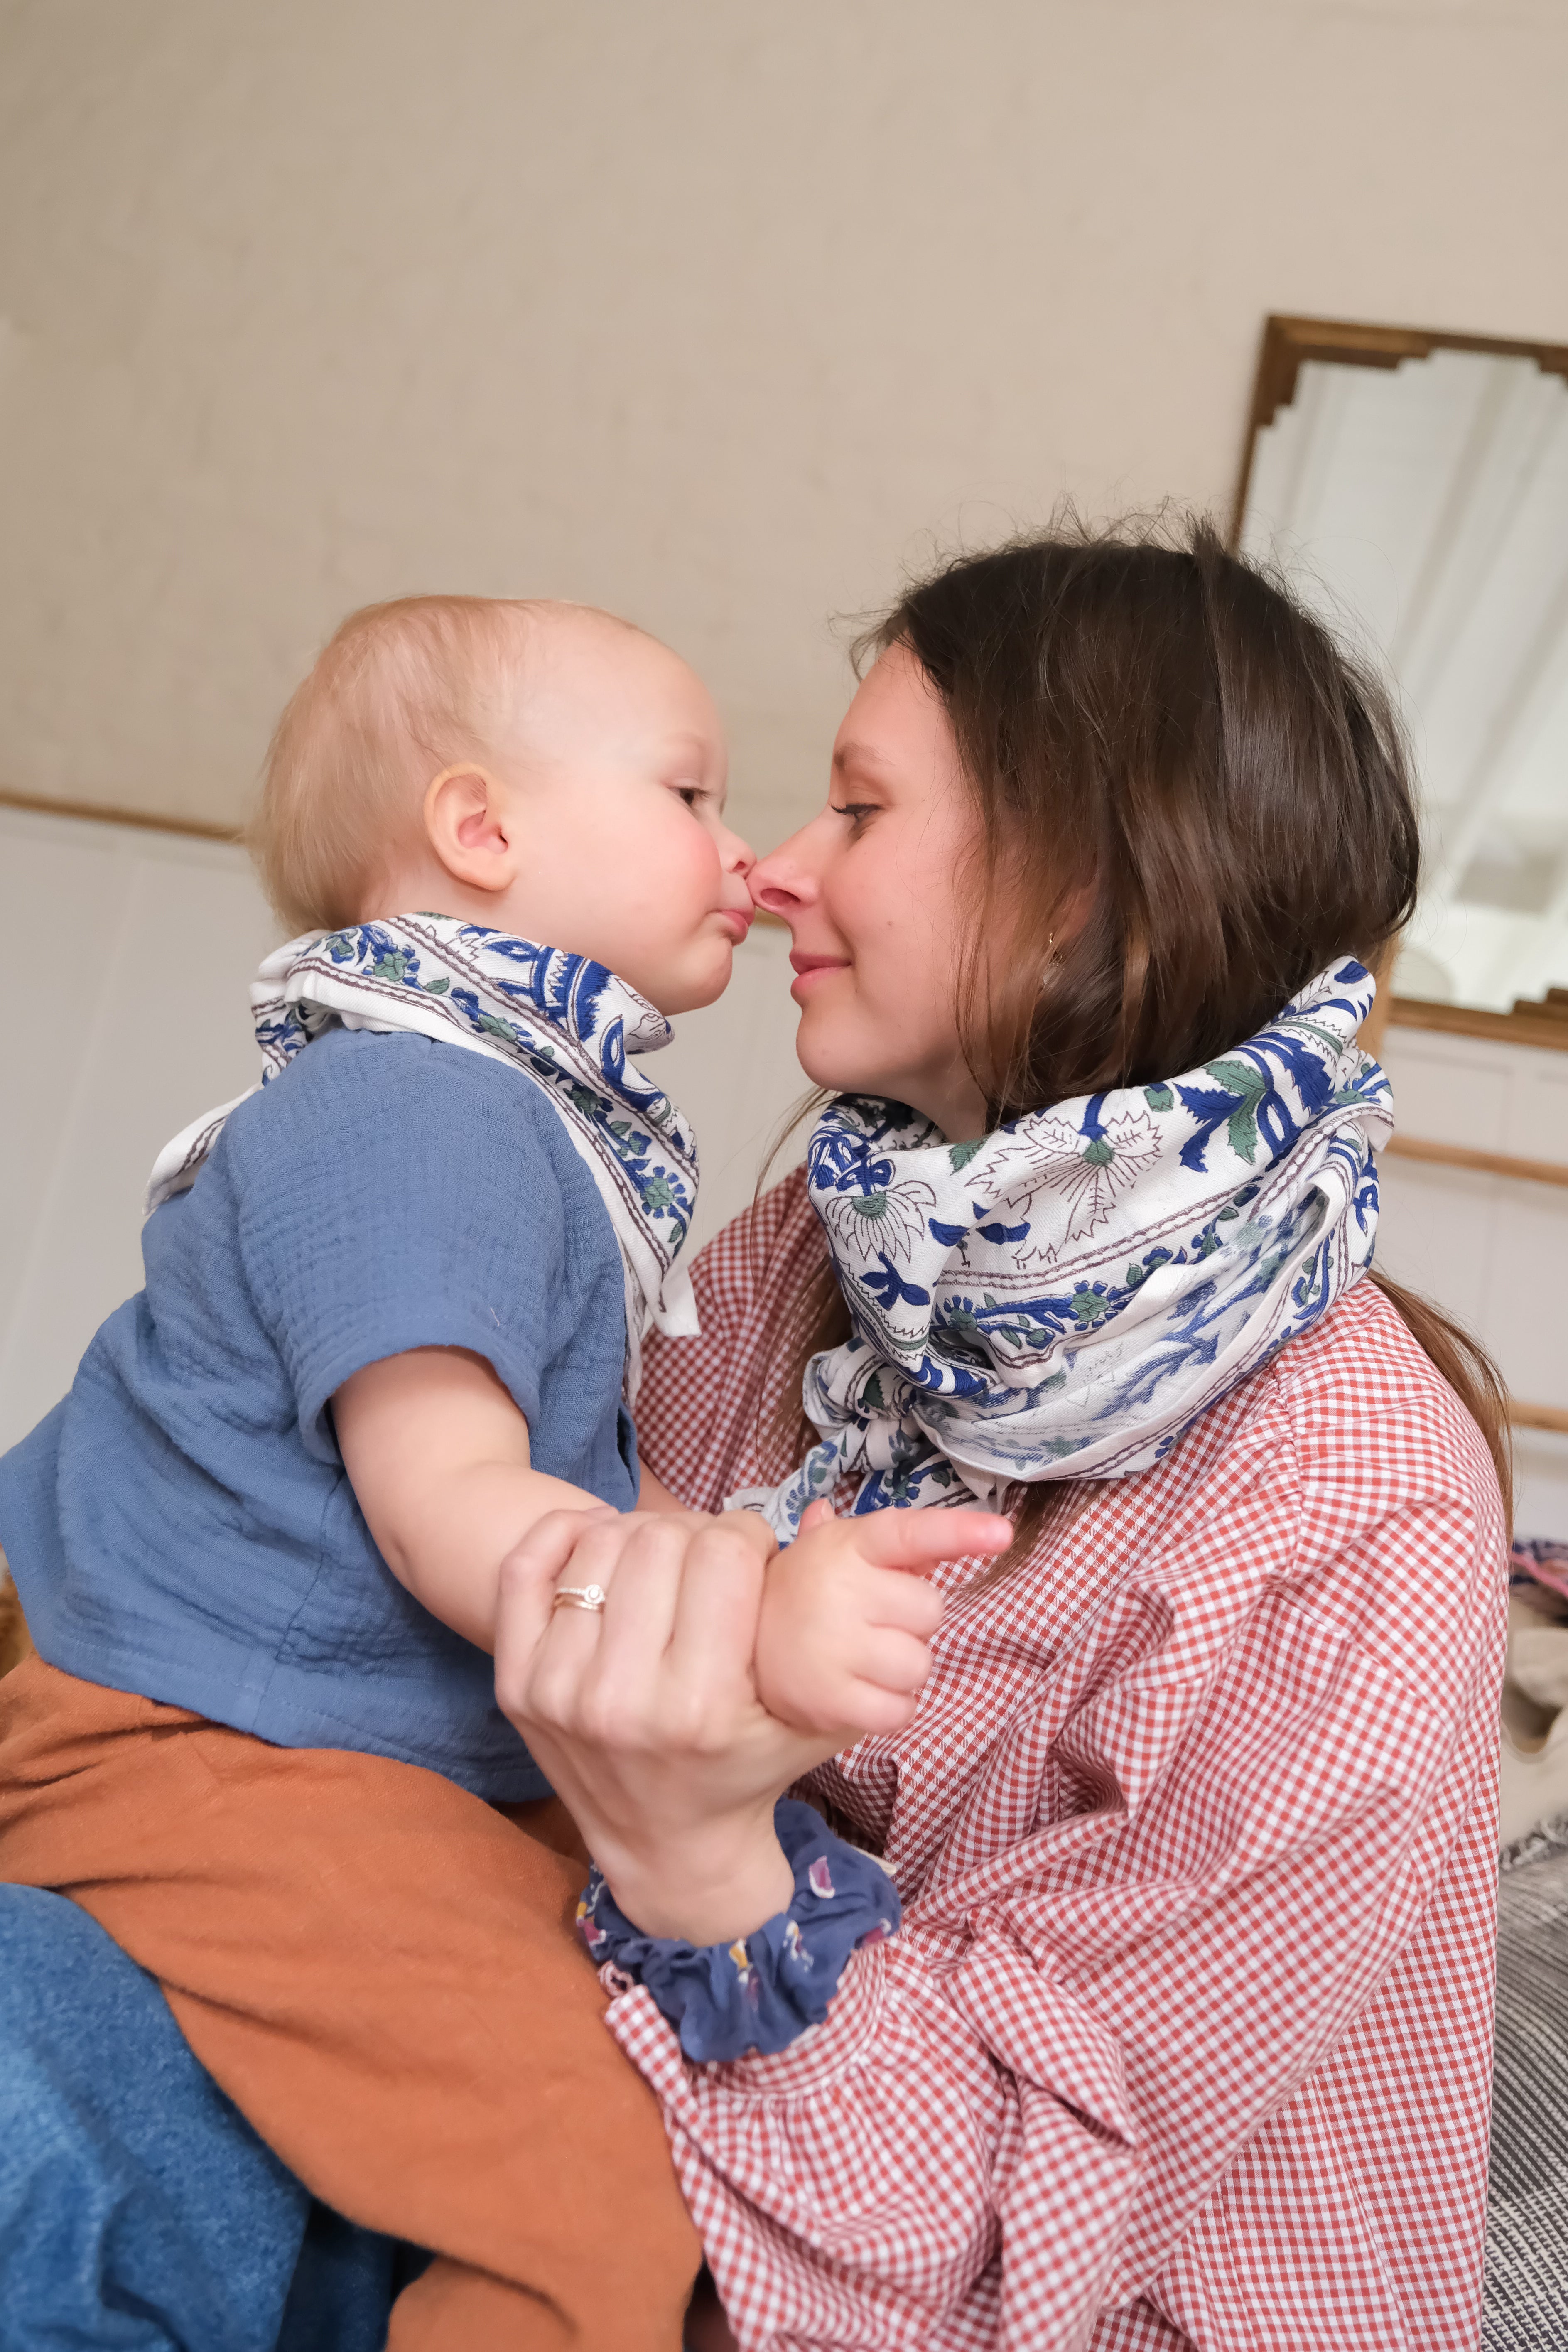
(810, 970)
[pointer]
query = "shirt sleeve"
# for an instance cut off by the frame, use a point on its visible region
(394, 1193)
(1015, 2112)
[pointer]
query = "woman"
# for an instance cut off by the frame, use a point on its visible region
(1184, 2037)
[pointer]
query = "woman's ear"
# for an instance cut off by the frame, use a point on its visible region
(471, 827)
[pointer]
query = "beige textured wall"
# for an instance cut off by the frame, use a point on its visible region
(708, 312)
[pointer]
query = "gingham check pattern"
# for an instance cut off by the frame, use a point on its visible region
(1186, 2038)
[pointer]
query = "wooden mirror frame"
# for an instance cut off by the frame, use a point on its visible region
(1286, 343)
(1289, 341)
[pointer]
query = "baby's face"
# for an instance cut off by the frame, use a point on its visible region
(618, 768)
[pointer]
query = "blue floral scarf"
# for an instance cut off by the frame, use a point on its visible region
(1064, 1297)
(564, 1022)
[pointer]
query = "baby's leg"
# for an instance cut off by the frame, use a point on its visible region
(381, 1973)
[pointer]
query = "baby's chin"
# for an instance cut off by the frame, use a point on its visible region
(686, 983)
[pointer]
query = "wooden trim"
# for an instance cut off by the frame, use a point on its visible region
(192, 828)
(1485, 1163)
(1515, 1028)
(1287, 341)
(1537, 1416)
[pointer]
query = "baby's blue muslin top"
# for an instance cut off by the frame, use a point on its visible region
(182, 1525)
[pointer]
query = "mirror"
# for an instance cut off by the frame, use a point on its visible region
(1414, 488)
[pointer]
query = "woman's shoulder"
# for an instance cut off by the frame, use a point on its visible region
(1372, 1416)
(1396, 1527)
(1352, 1419)
(1344, 1480)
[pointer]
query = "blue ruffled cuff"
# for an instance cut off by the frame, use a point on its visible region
(762, 1992)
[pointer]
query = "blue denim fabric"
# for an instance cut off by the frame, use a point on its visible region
(138, 2209)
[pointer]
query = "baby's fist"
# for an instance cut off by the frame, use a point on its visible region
(847, 1617)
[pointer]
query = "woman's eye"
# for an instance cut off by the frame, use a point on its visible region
(856, 810)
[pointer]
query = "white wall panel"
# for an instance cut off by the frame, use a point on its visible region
(1491, 1250)
(131, 954)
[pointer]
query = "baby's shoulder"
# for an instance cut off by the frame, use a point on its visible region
(373, 1088)
(391, 1128)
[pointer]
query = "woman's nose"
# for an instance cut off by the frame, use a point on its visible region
(782, 881)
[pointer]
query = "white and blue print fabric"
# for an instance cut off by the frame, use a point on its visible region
(565, 1023)
(1062, 1298)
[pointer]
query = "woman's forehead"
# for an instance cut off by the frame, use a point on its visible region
(896, 724)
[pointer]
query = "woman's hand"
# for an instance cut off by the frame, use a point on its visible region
(645, 1715)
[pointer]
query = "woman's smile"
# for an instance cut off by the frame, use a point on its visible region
(809, 970)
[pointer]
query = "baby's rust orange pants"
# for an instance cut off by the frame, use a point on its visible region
(382, 1973)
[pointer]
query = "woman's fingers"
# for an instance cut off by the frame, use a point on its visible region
(525, 1596)
(620, 1695)
(715, 1630)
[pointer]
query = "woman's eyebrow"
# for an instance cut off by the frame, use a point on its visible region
(858, 755)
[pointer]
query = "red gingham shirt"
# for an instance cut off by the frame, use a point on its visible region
(1186, 2038)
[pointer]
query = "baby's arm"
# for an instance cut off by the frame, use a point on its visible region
(437, 1455)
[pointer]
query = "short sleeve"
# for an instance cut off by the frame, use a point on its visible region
(392, 1193)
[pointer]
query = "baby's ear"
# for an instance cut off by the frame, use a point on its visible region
(466, 824)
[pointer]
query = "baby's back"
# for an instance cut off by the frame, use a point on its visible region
(181, 1525)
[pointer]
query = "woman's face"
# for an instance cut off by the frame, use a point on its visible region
(871, 891)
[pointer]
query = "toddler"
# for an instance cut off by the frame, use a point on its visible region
(391, 1315)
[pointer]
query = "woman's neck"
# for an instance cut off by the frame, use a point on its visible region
(950, 1099)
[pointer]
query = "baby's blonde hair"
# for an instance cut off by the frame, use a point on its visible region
(400, 691)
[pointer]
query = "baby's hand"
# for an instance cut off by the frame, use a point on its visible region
(847, 1616)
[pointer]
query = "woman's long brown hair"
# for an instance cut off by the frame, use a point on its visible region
(1191, 800)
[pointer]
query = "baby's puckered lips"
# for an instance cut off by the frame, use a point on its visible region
(811, 969)
(737, 920)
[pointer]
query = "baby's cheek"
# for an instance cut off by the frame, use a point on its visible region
(704, 873)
